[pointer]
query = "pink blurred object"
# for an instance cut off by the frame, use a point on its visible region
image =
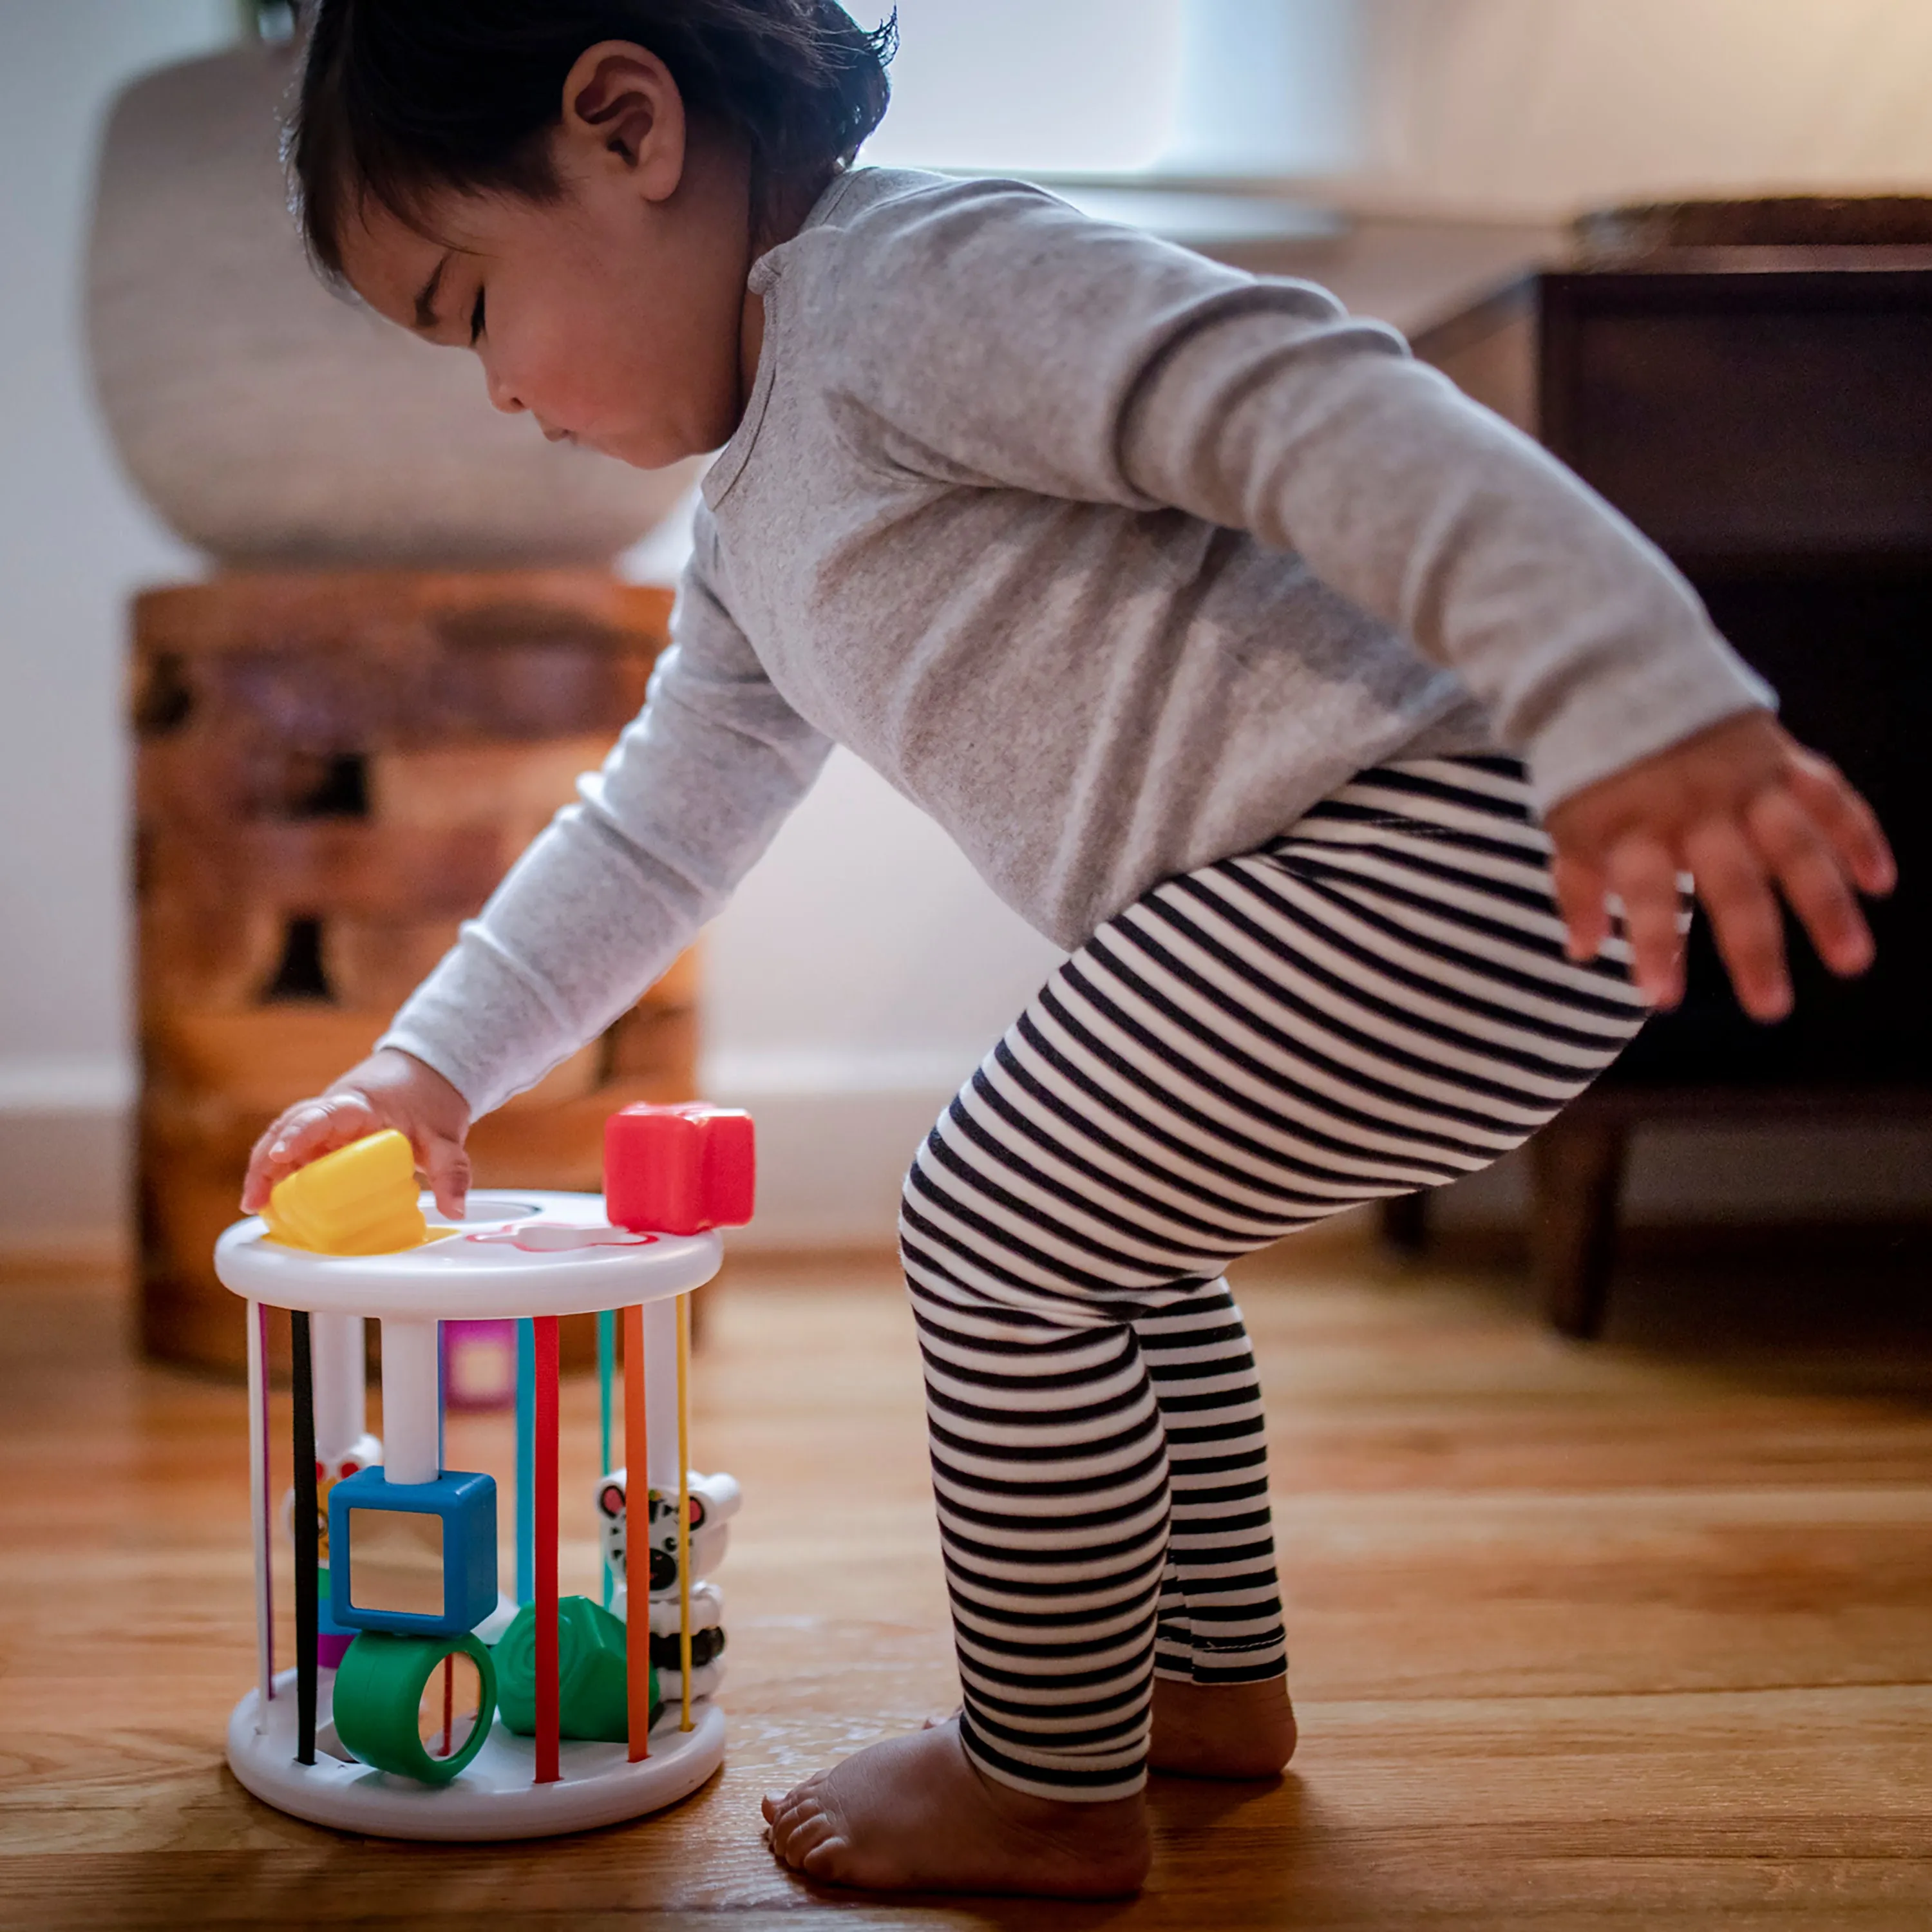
(479, 1364)
(681, 1170)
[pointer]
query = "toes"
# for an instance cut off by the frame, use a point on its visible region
(775, 1804)
(825, 1858)
(804, 1847)
(795, 1822)
(802, 1830)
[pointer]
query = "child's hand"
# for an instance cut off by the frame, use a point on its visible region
(389, 1089)
(1739, 807)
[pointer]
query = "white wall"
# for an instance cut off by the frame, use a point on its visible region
(858, 976)
(1544, 107)
(1200, 87)
(74, 540)
(863, 968)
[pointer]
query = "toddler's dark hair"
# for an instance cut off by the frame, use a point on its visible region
(400, 98)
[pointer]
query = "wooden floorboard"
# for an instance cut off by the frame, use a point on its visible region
(1637, 1636)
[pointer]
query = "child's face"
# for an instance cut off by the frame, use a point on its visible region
(616, 314)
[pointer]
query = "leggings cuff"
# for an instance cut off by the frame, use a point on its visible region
(1230, 1672)
(1074, 1783)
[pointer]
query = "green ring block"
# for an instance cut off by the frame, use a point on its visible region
(378, 1688)
(593, 1706)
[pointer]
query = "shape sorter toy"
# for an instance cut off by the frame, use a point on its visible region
(424, 1701)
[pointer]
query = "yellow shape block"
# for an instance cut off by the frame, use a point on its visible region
(359, 1200)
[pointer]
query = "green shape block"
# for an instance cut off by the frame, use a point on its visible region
(593, 1703)
(379, 1690)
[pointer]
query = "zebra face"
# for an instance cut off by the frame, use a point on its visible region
(712, 1498)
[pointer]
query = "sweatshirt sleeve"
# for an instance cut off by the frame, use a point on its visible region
(620, 881)
(1057, 354)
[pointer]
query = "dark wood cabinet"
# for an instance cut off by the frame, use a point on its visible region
(1770, 428)
(1751, 384)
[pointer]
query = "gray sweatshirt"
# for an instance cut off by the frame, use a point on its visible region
(1112, 559)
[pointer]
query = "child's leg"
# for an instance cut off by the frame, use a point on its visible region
(1219, 1620)
(1220, 1708)
(1379, 1001)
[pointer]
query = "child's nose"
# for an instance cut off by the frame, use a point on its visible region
(503, 396)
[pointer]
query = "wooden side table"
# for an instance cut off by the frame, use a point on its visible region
(332, 771)
(1577, 1164)
(1746, 382)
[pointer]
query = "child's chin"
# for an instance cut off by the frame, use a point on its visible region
(641, 453)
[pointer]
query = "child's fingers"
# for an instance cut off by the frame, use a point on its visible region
(317, 1127)
(1643, 874)
(1810, 875)
(1849, 823)
(1582, 892)
(258, 1183)
(269, 1159)
(446, 1166)
(306, 1132)
(1744, 919)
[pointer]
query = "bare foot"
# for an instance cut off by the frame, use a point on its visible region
(1222, 1730)
(913, 1814)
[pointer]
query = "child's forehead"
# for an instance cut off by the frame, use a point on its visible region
(387, 261)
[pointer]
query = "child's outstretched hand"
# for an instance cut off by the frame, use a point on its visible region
(390, 1089)
(1743, 807)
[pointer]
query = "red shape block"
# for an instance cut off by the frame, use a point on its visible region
(679, 1170)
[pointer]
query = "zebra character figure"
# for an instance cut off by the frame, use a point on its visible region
(714, 1500)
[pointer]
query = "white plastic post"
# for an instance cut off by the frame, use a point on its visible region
(258, 1512)
(411, 1434)
(660, 1393)
(341, 1407)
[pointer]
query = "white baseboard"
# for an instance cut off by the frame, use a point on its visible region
(830, 1166)
(831, 1163)
(65, 1083)
(65, 1186)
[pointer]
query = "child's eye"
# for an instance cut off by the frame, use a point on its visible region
(476, 320)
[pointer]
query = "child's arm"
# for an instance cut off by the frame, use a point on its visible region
(594, 911)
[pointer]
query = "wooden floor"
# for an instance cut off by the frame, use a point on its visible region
(1635, 1636)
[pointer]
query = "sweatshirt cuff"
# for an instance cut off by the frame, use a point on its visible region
(477, 1022)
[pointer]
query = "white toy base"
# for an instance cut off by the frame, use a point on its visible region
(492, 1798)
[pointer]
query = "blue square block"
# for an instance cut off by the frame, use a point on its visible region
(397, 1561)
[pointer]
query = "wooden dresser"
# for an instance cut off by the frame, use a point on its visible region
(1751, 384)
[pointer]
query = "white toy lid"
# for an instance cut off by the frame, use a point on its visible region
(511, 1254)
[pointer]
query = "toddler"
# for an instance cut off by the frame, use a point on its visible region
(1320, 716)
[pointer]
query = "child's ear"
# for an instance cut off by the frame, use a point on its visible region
(623, 109)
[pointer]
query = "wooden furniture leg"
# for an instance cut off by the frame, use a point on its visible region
(1404, 1221)
(1577, 1170)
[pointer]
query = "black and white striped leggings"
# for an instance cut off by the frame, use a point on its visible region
(1378, 1001)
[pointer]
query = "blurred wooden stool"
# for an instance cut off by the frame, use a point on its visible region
(333, 769)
